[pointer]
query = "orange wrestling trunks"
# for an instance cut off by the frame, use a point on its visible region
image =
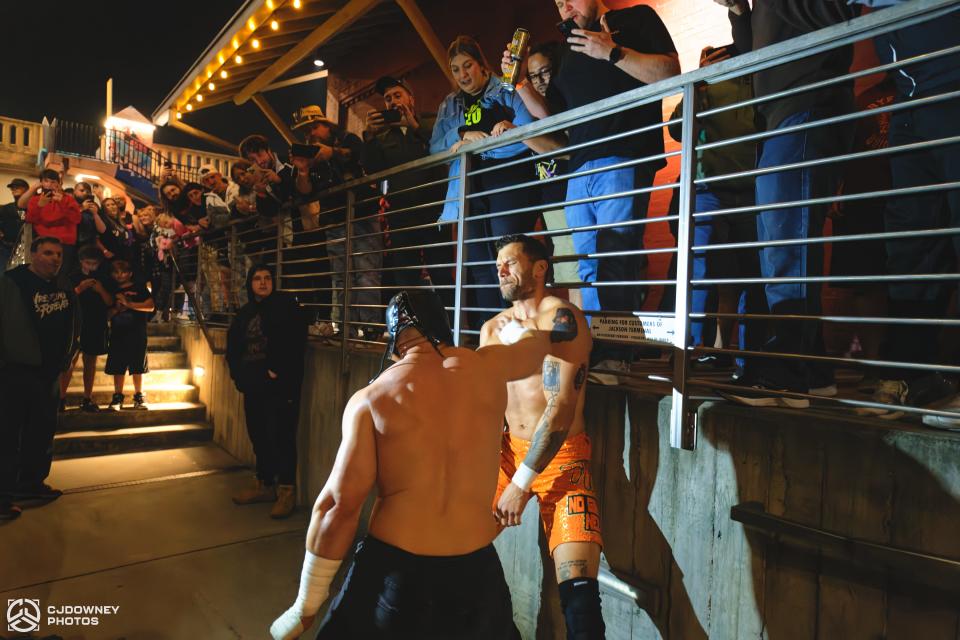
(568, 506)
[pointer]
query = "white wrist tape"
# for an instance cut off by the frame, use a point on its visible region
(512, 332)
(524, 477)
(315, 582)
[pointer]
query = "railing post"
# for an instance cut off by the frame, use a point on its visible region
(344, 390)
(461, 257)
(683, 422)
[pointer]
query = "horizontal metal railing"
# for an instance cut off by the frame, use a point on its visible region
(333, 261)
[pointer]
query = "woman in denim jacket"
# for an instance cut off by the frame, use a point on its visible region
(479, 108)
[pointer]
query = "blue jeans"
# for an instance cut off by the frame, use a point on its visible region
(726, 263)
(615, 269)
(796, 222)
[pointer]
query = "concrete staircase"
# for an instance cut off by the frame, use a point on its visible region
(175, 417)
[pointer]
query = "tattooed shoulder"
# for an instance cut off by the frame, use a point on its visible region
(564, 326)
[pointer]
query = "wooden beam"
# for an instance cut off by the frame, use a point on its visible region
(353, 11)
(429, 37)
(274, 118)
(316, 75)
(203, 135)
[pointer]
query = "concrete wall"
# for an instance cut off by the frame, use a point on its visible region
(666, 513)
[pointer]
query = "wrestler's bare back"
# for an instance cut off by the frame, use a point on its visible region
(526, 400)
(438, 423)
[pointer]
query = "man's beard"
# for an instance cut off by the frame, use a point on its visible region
(512, 292)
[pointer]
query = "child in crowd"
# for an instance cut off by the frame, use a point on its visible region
(89, 283)
(128, 334)
(164, 237)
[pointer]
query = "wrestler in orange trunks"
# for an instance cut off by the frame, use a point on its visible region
(546, 452)
(568, 506)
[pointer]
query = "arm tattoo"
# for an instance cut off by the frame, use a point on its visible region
(564, 326)
(580, 378)
(570, 569)
(551, 376)
(546, 442)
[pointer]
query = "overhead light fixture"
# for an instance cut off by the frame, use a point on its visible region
(179, 115)
(238, 59)
(297, 4)
(251, 25)
(223, 74)
(235, 43)
(274, 25)
(318, 62)
(199, 97)
(211, 86)
(189, 107)
(270, 5)
(209, 74)
(220, 59)
(255, 43)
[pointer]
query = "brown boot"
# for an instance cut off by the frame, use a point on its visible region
(286, 501)
(259, 492)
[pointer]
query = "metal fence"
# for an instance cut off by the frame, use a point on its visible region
(118, 147)
(377, 234)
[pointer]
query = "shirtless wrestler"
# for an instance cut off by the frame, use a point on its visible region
(426, 433)
(546, 451)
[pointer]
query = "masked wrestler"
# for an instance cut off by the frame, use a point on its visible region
(546, 452)
(426, 433)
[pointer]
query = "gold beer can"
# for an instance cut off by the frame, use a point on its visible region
(520, 39)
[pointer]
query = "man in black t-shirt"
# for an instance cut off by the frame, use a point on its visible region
(610, 52)
(39, 325)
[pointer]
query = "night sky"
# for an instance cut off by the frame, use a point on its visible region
(56, 56)
(56, 62)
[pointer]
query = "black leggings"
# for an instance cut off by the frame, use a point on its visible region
(272, 419)
(391, 593)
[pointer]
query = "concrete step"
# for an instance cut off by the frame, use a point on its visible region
(165, 393)
(157, 377)
(158, 413)
(158, 359)
(128, 439)
(163, 343)
(161, 329)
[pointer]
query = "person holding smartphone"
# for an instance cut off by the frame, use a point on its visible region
(53, 213)
(394, 136)
(607, 53)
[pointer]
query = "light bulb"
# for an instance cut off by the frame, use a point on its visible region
(255, 43)
(189, 107)
(238, 59)
(274, 25)
(211, 86)
(223, 74)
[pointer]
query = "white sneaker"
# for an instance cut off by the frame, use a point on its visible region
(826, 391)
(611, 376)
(944, 422)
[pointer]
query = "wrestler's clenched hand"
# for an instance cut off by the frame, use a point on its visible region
(510, 507)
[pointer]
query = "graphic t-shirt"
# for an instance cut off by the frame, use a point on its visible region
(478, 117)
(256, 341)
(50, 307)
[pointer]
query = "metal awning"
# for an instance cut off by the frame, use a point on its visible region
(269, 44)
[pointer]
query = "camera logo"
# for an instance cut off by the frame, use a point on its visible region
(23, 615)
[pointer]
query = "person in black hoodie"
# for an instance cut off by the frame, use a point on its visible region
(265, 347)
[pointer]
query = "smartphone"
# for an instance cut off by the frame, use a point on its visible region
(304, 150)
(391, 116)
(566, 27)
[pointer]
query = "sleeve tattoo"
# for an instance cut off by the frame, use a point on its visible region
(546, 442)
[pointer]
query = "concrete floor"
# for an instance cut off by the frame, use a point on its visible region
(156, 534)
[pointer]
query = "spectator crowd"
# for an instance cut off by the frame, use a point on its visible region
(585, 189)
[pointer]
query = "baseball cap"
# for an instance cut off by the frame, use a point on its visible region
(18, 182)
(388, 82)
